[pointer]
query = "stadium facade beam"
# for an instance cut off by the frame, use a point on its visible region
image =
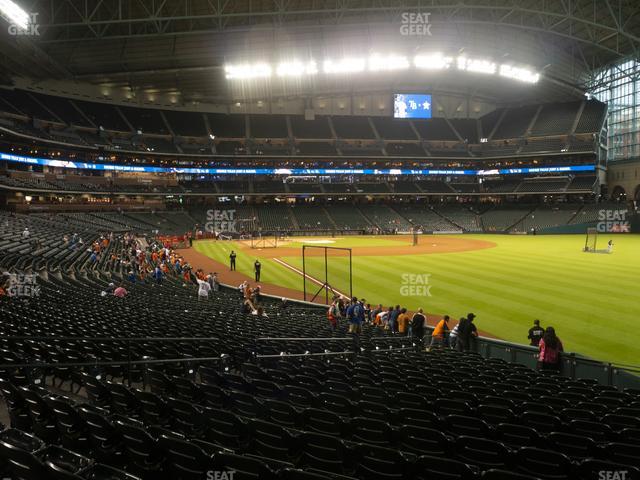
(596, 32)
(79, 13)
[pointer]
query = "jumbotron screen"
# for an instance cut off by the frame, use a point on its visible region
(409, 105)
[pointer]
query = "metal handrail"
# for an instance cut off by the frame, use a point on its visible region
(100, 363)
(326, 354)
(289, 339)
(129, 363)
(573, 355)
(117, 339)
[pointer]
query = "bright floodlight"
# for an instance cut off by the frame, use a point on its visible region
(14, 13)
(296, 68)
(435, 61)
(522, 74)
(476, 65)
(344, 65)
(378, 63)
(247, 70)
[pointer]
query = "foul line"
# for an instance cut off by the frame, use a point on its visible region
(314, 280)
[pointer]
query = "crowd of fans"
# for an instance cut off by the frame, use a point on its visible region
(146, 262)
(151, 262)
(462, 337)
(398, 321)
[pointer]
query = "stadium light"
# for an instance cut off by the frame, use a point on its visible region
(296, 68)
(435, 61)
(246, 71)
(379, 63)
(14, 13)
(344, 65)
(522, 74)
(476, 65)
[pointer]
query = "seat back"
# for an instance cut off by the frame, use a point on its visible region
(546, 464)
(368, 430)
(485, 454)
(427, 467)
(185, 460)
(322, 421)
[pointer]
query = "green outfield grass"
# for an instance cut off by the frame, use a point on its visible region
(591, 299)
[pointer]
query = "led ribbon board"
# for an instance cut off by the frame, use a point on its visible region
(9, 157)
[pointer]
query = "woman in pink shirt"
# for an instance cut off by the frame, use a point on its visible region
(550, 348)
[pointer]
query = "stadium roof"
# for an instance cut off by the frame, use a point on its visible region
(181, 46)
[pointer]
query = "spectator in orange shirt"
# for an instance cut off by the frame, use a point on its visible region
(440, 333)
(403, 322)
(380, 318)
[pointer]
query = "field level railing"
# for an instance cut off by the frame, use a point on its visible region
(127, 362)
(574, 365)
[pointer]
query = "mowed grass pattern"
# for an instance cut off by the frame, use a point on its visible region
(591, 299)
(271, 272)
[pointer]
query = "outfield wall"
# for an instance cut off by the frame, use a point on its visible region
(566, 229)
(634, 225)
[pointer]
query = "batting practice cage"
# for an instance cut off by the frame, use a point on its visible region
(326, 272)
(270, 241)
(591, 241)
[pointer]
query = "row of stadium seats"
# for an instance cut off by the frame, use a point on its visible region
(261, 431)
(553, 119)
(394, 414)
(384, 413)
(402, 217)
(389, 218)
(169, 131)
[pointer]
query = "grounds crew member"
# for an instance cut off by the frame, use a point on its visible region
(257, 267)
(232, 260)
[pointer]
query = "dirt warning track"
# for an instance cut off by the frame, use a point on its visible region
(427, 245)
